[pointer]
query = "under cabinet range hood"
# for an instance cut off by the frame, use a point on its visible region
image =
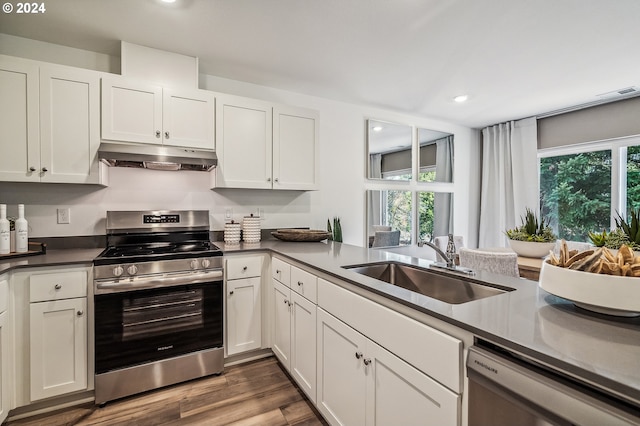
(156, 157)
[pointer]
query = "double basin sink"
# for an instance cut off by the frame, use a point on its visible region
(449, 288)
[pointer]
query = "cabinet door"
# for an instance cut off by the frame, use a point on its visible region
(131, 111)
(187, 118)
(303, 344)
(69, 124)
(244, 315)
(341, 393)
(295, 148)
(397, 393)
(58, 337)
(281, 345)
(5, 382)
(19, 123)
(243, 143)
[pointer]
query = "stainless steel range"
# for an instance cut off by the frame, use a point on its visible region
(158, 302)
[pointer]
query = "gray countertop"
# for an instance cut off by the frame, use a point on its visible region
(597, 348)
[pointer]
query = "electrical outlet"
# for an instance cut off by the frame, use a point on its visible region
(228, 213)
(64, 215)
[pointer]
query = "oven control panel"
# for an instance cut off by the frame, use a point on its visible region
(161, 218)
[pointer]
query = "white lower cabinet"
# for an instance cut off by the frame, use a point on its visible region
(244, 304)
(58, 337)
(51, 332)
(361, 383)
(294, 328)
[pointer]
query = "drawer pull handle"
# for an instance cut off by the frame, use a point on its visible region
(300, 283)
(358, 355)
(80, 313)
(367, 361)
(57, 286)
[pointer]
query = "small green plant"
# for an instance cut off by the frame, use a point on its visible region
(598, 240)
(532, 230)
(631, 228)
(336, 232)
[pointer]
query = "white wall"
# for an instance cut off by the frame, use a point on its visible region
(342, 182)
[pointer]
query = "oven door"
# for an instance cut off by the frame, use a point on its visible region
(137, 327)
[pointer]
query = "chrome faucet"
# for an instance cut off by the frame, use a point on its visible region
(448, 256)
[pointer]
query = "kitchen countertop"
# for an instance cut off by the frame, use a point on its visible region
(597, 348)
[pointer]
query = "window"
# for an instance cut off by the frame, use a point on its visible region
(582, 188)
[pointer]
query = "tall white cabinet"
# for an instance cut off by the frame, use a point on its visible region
(49, 122)
(134, 111)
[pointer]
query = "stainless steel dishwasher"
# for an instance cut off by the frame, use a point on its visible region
(507, 389)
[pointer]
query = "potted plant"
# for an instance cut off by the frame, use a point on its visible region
(533, 238)
(626, 232)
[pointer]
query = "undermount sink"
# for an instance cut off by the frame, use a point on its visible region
(431, 283)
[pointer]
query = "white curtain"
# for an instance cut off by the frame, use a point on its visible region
(509, 178)
(375, 166)
(443, 201)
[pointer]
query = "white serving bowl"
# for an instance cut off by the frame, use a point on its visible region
(531, 249)
(606, 294)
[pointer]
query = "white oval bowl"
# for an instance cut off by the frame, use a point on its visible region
(531, 249)
(607, 294)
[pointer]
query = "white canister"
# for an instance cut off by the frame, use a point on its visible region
(251, 229)
(232, 233)
(22, 231)
(5, 231)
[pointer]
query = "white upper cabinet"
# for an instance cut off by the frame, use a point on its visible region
(19, 120)
(243, 143)
(49, 122)
(295, 148)
(265, 146)
(140, 112)
(69, 124)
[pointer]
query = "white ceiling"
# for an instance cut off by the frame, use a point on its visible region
(513, 58)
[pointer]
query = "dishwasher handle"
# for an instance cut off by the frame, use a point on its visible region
(560, 399)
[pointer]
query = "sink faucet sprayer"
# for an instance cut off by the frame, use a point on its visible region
(449, 256)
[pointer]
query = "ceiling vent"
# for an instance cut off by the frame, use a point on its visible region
(631, 90)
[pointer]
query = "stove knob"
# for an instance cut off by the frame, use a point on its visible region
(118, 270)
(206, 263)
(132, 269)
(194, 264)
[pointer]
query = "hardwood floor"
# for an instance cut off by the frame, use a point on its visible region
(255, 393)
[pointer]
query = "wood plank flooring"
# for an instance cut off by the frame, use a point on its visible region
(255, 393)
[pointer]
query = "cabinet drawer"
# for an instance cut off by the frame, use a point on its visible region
(244, 267)
(433, 352)
(58, 285)
(281, 271)
(304, 283)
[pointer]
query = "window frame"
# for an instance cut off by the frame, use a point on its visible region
(618, 148)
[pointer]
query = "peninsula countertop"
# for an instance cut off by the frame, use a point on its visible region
(596, 348)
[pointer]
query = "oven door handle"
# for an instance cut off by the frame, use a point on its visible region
(145, 282)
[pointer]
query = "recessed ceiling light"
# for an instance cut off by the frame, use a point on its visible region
(168, 1)
(461, 98)
(377, 128)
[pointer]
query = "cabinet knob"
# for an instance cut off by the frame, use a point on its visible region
(166, 135)
(286, 302)
(276, 179)
(231, 292)
(278, 271)
(367, 361)
(44, 170)
(157, 133)
(244, 268)
(300, 283)
(32, 169)
(80, 313)
(57, 286)
(358, 355)
(268, 179)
